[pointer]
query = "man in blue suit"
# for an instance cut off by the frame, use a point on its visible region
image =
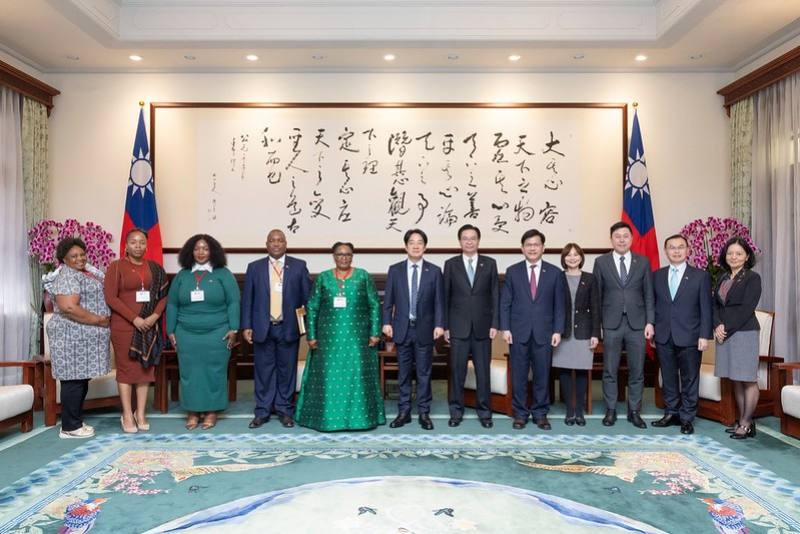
(683, 329)
(532, 321)
(413, 316)
(274, 288)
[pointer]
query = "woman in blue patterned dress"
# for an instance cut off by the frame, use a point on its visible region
(78, 333)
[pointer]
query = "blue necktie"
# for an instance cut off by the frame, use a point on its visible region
(470, 272)
(673, 281)
(414, 291)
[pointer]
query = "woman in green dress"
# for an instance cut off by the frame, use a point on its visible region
(341, 387)
(202, 321)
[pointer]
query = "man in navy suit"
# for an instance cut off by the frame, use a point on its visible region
(413, 316)
(274, 288)
(532, 321)
(682, 331)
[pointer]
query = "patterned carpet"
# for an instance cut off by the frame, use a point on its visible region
(401, 483)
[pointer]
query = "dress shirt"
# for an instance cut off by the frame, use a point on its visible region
(203, 267)
(537, 267)
(628, 257)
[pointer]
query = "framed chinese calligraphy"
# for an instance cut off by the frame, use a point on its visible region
(367, 172)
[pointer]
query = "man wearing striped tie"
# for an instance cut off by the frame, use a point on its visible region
(683, 330)
(471, 319)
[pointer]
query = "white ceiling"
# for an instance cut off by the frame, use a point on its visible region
(354, 35)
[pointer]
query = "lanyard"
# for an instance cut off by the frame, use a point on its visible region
(199, 278)
(137, 273)
(278, 273)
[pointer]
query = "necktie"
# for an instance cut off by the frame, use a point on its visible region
(275, 296)
(470, 272)
(673, 281)
(533, 282)
(623, 272)
(414, 290)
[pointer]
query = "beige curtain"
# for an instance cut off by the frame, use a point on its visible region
(776, 207)
(741, 159)
(34, 175)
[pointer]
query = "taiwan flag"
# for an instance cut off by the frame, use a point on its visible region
(140, 199)
(637, 208)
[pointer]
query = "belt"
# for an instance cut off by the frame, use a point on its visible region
(412, 322)
(275, 322)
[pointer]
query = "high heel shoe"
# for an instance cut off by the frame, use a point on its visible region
(133, 430)
(731, 429)
(580, 421)
(569, 420)
(141, 426)
(749, 432)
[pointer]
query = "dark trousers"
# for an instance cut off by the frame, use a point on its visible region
(275, 373)
(460, 351)
(573, 391)
(633, 341)
(73, 393)
(524, 357)
(680, 378)
(410, 356)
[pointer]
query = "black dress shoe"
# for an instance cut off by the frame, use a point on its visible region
(454, 421)
(687, 428)
(636, 420)
(400, 420)
(486, 422)
(667, 420)
(579, 420)
(425, 421)
(610, 418)
(543, 423)
(286, 420)
(569, 420)
(258, 421)
(519, 423)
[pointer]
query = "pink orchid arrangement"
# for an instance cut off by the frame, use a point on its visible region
(44, 236)
(707, 237)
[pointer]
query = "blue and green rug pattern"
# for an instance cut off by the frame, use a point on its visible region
(406, 482)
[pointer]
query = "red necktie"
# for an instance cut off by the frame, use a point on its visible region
(533, 282)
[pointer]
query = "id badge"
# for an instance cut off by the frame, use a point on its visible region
(279, 287)
(198, 295)
(339, 302)
(142, 296)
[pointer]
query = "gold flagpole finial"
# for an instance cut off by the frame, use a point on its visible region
(635, 105)
(141, 103)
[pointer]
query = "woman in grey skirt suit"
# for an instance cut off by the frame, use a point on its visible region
(736, 330)
(581, 333)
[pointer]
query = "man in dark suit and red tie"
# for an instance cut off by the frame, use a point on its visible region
(683, 327)
(532, 321)
(413, 316)
(274, 288)
(471, 319)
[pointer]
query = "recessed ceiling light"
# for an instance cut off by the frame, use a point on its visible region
(251, 57)
(514, 57)
(73, 58)
(695, 57)
(641, 57)
(317, 57)
(578, 56)
(189, 57)
(135, 57)
(389, 57)
(452, 57)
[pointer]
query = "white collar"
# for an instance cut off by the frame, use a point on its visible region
(282, 259)
(409, 263)
(617, 255)
(468, 258)
(529, 264)
(680, 267)
(204, 267)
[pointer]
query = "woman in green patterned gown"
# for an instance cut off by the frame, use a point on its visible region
(341, 387)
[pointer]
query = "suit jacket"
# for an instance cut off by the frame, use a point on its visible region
(430, 301)
(738, 310)
(471, 309)
(527, 317)
(688, 317)
(256, 296)
(634, 297)
(587, 309)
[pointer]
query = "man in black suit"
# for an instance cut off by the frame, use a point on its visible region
(626, 298)
(413, 316)
(683, 328)
(532, 321)
(470, 322)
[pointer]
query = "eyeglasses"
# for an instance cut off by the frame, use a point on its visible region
(343, 254)
(681, 247)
